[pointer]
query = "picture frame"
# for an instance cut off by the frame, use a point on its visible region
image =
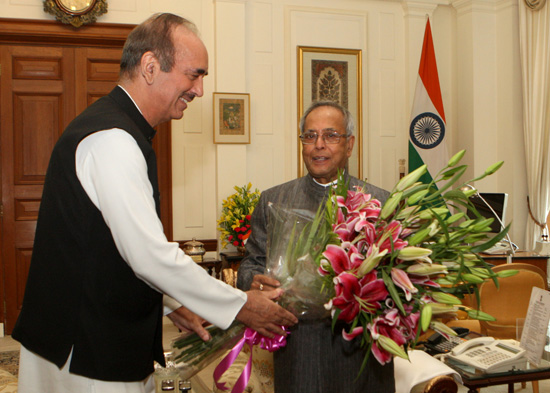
(338, 71)
(232, 118)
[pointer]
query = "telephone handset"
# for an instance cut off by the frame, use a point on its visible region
(490, 355)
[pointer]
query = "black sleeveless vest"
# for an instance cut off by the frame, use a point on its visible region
(80, 293)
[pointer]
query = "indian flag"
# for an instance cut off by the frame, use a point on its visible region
(427, 130)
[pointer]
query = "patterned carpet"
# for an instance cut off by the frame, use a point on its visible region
(9, 361)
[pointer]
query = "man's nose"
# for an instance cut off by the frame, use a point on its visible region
(320, 142)
(198, 88)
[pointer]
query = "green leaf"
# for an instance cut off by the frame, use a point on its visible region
(451, 172)
(480, 315)
(393, 291)
(459, 172)
(491, 242)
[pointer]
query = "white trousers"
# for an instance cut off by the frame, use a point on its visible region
(38, 375)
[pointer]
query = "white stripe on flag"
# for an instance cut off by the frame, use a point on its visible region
(437, 157)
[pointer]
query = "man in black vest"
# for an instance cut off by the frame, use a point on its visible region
(92, 314)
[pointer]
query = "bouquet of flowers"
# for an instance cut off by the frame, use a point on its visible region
(388, 270)
(234, 222)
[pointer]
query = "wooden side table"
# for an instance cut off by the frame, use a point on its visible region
(475, 380)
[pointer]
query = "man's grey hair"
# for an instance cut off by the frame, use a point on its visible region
(348, 118)
(155, 35)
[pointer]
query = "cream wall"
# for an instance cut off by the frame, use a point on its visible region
(252, 46)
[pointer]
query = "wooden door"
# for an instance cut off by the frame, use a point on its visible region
(37, 84)
(49, 74)
(96, 73)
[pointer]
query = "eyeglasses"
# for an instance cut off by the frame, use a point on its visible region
(309, 138)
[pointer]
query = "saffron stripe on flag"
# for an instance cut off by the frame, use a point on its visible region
(427, 129)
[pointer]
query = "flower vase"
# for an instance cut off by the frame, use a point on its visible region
(241, 250)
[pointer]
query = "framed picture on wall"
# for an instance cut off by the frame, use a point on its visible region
(331, 74)
(231, 118)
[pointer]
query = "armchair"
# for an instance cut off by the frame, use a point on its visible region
(506, 303)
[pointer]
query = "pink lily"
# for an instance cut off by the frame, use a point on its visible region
(363, 223)
(337, 258)
(345, 230)
(341, 258)
(371, 210)
(392, 230)
(354, 333)
(354, 295)
(356, 200)
(341, 201)
(381, 327)
(401, 279)
(346, 286)
(424, 280)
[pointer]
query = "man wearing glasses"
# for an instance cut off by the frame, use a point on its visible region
(315, 359)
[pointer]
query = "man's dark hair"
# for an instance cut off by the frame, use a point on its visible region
(155, 35)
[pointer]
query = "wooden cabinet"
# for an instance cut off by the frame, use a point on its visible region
(49, 73)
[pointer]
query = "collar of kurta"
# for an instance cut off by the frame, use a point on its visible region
(123, 99)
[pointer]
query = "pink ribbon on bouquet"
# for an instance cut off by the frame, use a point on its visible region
(250, 337)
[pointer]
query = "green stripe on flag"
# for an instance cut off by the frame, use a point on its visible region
(415, 161)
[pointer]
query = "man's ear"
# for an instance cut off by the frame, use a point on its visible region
(350, 143)
(149, 67)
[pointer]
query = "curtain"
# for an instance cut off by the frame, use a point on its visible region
(534, 25)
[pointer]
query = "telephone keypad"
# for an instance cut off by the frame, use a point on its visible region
(448, 345)
(489, 357)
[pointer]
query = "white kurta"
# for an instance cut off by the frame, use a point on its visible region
(124, 196)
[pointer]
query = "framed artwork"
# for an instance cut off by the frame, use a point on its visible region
(231, 118)
(331, 74)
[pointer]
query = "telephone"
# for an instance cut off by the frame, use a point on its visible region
(500, 248)
(490, 355)
(437, 344)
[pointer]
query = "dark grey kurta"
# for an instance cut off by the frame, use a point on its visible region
(314, 360)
